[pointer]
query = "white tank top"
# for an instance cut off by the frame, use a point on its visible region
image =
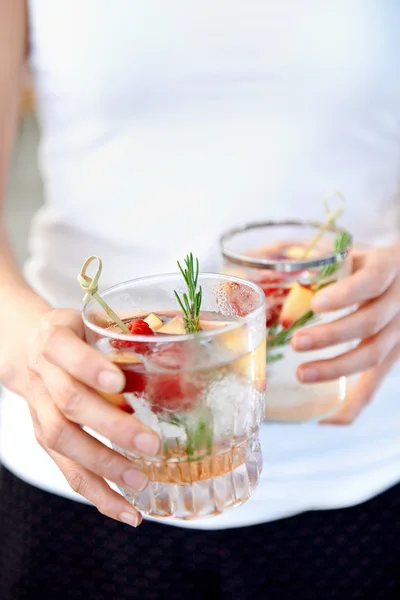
(164, 123)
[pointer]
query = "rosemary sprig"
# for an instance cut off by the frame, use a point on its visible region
(341, 243)
(199, 432)
(273, 329)
(190, 302)
(330, 220)
(200, 438)
(271, 358)
(283, 337)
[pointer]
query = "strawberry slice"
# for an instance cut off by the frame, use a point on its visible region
(272, 285)
(136, 327)
(135, 378)
(140, 327)
(241, 298)
(176, 391)
(173, 393)
(133, 369)
(271, 281)
(273, 313)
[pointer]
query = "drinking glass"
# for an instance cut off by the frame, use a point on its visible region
(271, 254)
(203, 393)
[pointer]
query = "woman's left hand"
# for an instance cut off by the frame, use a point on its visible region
(375, 287)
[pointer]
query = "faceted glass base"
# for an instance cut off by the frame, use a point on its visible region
(204, 488)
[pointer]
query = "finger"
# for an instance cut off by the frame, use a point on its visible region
(93, 488)
(96, 491)
(64, 317)
(358, 259)
(367, 321)
(83, 406)
(61, 347)
(69, 440)
(368, 283)
(367, 355)
(363, 392)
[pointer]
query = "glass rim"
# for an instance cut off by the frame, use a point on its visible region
(166, 338)
(285, 265)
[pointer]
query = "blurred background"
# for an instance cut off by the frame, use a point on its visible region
(24, 193)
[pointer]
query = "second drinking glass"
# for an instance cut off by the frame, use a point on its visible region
(291, 261)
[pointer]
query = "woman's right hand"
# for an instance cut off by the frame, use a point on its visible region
(65, 373)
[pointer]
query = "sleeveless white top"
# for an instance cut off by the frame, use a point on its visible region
(163, 124)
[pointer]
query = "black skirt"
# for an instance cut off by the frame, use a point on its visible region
(52, 548)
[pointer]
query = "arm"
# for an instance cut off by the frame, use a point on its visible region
(15, 295)
(43, 355)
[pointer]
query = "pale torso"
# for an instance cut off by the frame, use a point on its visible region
(164, 124)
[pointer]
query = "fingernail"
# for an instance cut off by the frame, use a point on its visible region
(307, 375)
(135, 479)
(302, 342)
(130, 519)
(334, 421)
(147, 444)
(111, 381)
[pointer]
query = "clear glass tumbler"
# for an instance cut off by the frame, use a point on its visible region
(271, 254)
(203, 393)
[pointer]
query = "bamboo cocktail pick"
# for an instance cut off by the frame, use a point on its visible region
(331, 218)
(90, 287)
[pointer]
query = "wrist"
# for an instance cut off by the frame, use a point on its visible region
(22, 311)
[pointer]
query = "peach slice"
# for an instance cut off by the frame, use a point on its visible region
(118, 400)
(120, 359)
(153, 322)
(253, 365)
(175, 326)
(297, 253)
(266, 250)
(257, 366)
(123, 358)
(210, 325)
(296, 305)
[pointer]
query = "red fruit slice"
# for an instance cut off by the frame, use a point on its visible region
(135, 377)
(271, 282)
(133, 369)
(273, 313)
(170, 356)
(273, 286)
(140, 327)
(175, 391)
(136, 327)
(241, 298)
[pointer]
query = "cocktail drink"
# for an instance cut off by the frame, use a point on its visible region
(203, 392)
(290, 261)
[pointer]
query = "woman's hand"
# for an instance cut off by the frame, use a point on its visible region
(64, 374)
(375, 287)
